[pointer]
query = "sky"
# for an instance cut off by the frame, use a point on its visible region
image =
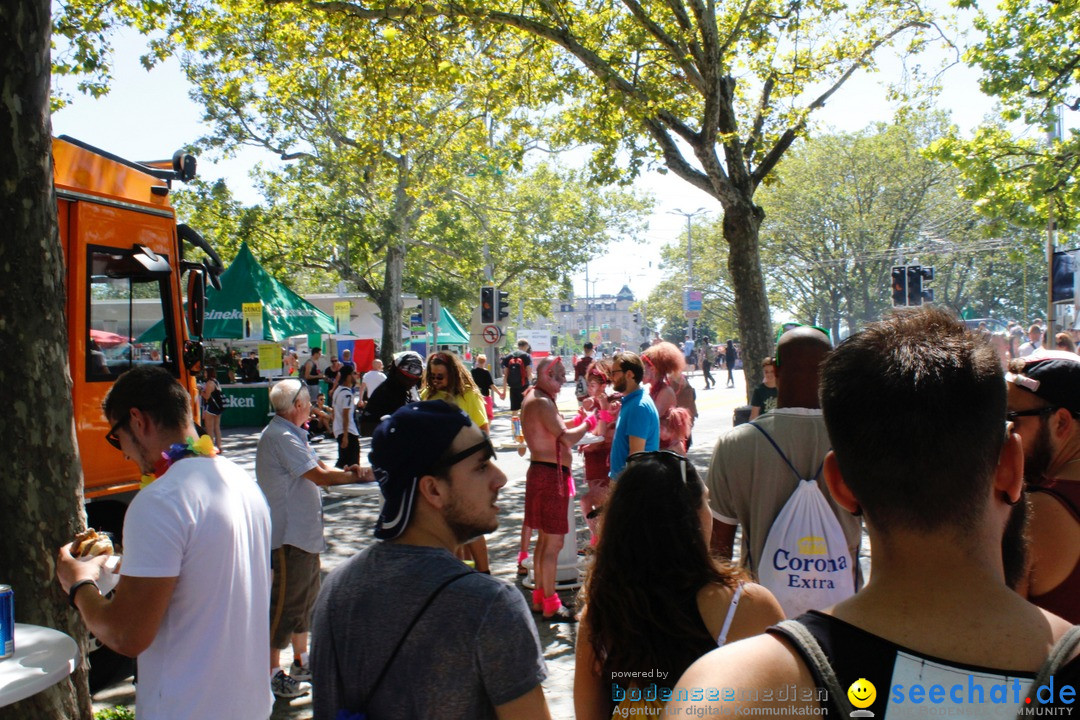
(147, 115)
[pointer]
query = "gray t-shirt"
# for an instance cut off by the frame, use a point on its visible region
(474, 648)
(282, 458)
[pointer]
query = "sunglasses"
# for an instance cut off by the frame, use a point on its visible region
(448, 462)
(297, 395)
(661, 454)
(111, 436)
(1037, 412)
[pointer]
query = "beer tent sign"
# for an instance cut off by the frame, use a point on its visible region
(284, 313)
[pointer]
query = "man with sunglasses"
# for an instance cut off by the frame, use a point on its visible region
(194, 590)
(404, 629)
(291, 476)
(638, 425)
(1044, 407)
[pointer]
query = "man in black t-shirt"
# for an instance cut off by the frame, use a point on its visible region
(517, 374)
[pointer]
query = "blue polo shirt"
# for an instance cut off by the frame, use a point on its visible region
(638, 417)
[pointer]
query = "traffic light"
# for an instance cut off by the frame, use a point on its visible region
(914, 285)
(487, 305)
(502, 306)
(928, 275)
(899, 286)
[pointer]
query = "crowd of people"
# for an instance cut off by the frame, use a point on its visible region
(964, 474)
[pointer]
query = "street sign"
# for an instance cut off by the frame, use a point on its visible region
(492, 334)
(692, 314)
(692, 301)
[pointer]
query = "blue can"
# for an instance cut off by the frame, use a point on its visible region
(7, 621)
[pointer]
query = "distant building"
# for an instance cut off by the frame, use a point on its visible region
(604, 319)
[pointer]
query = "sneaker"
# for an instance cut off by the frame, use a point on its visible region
(286, 687)
(589, 439)
(299, 672)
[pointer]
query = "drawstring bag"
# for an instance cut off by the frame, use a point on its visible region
(806, 563)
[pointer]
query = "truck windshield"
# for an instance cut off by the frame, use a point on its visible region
(130, 321)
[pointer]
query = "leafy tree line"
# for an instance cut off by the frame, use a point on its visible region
(847, 207)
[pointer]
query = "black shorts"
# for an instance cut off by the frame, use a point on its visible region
(350, 454)
(516, 397)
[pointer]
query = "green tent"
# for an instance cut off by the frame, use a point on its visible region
(284, 313)
(450, 330)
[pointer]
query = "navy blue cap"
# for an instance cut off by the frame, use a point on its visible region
(405, 446)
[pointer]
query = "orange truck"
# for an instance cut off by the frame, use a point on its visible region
(125, 269)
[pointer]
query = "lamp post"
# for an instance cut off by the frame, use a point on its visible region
(1053, 136)
(689, 255)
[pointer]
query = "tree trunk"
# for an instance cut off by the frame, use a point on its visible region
(41, 495)
(741, 223)
(392, 304)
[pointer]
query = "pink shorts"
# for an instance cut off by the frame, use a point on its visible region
(547, 496)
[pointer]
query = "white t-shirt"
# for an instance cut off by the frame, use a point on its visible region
(344, 411)
(1028, 348)
(371, 380)
(206, 523)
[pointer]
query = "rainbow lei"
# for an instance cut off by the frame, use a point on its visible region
(204, 447)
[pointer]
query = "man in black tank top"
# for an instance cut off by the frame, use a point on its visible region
(915, 409)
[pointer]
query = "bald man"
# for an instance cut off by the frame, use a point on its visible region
(548, 484)
(748, 480)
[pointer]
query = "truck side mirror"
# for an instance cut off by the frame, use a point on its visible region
(184, 166)
(196, 302)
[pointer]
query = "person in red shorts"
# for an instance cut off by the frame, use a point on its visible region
(548, 484)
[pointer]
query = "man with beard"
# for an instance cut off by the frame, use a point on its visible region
(915, 407)
(406, 630)
(548, 483)
(638, 426)
(1044, 406)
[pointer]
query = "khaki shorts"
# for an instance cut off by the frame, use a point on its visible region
(292, 593)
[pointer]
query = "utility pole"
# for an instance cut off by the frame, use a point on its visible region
(689, 256)
(588, 325)
(1053, 136)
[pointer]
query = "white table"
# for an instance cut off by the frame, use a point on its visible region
(355, 489)
(43, 657)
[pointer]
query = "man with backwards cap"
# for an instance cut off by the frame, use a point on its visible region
(1044, 407)
(404, 629)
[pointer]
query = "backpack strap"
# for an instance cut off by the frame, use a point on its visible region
(812, 654)
(408, 630)
(1059, 653)
(784, 457)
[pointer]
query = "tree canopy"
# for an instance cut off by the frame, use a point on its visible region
(1029, 56)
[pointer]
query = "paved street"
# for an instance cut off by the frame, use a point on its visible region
(351, 512)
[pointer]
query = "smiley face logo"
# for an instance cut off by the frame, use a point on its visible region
(862, 693)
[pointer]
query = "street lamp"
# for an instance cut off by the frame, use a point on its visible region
(689, 254)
